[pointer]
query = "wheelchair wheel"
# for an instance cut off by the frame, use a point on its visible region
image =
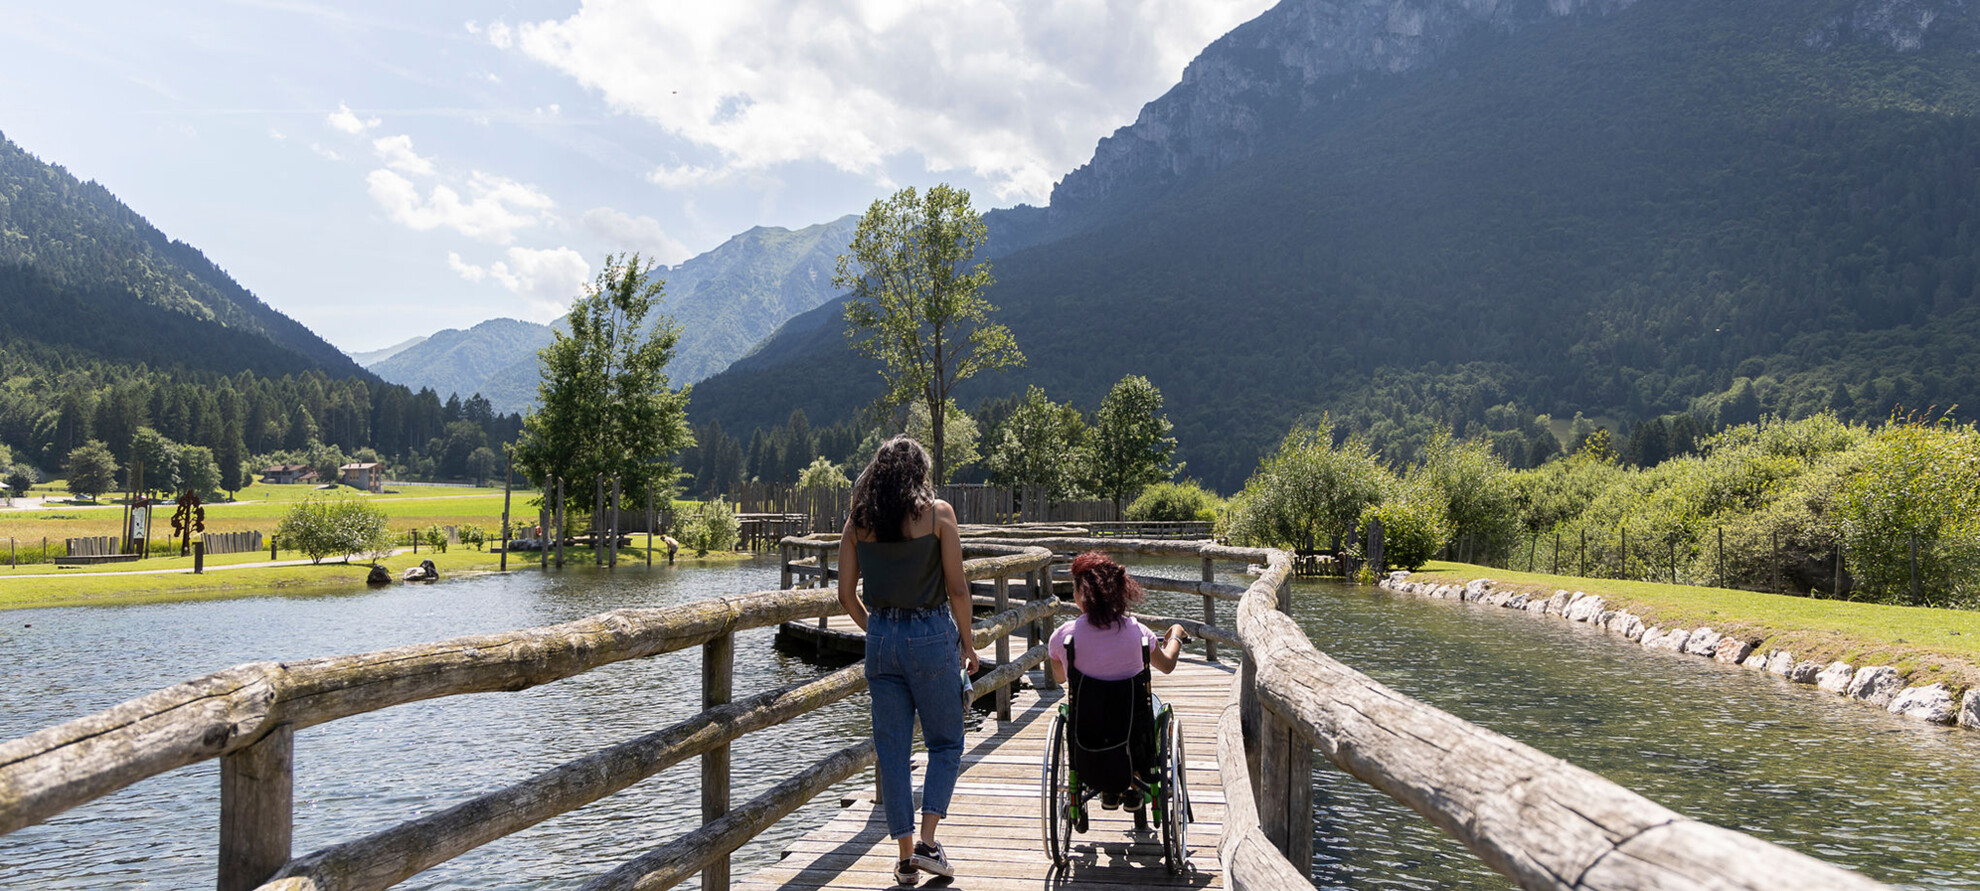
(1175, 804)
(1056, 802)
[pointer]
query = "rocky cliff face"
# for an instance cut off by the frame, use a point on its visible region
(1292, 57)
(1902, 25)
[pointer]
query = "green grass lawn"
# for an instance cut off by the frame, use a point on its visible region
(1925, 643)
(99, 589)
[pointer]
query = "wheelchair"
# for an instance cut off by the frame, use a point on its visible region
(1114, 738)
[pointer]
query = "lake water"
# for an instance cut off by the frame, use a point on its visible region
(1890, 797)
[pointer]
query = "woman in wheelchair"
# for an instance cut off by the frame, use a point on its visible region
(1116, 728)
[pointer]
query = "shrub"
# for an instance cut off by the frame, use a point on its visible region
(1307, 492)
(1174, 502)
(435, 537)
(711, 526)
(319, 527)
(1415, 523)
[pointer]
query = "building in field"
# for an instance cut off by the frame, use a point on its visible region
(284, 474)
(369, 476)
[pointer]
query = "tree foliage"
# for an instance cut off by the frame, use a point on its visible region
(1174, 502)
(91, 470)
(605, 408)
(321, 527)
(823, 475)
(1130, 446)
(917, 302)
(711, 526)
(959, 435)
(1042, 443)
(1308, 492)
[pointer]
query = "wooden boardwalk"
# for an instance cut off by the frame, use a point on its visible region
(992, 833)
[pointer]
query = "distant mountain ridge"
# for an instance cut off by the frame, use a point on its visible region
(1626, 209)
(82, 272)
(481, 359)
(725, 300)
(368, 358)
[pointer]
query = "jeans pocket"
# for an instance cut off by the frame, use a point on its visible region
(933, 654)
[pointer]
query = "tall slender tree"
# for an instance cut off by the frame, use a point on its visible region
(1131, 442)
(918, 303)
(605, 407)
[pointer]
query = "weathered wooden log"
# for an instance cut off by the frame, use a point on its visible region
(668, 865)
(1145, 547)
(58, 768)
(1249, 860)
(257, 810)
(1539, 820)
(1195, 628)
(1003, 675)
(1218, 590)
(990, 628)
(718, 671)
(391, 856)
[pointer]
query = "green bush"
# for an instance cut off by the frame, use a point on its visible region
(320, 527)
(1307, 492)
(1918, 486)
(434, 537)
(711, 526)
(1175, 502)
(1415, 521)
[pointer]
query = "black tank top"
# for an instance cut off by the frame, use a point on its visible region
(901, 574)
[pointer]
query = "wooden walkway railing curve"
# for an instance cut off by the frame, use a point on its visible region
(1539, 820)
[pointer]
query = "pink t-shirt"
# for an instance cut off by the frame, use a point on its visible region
(1105, 654)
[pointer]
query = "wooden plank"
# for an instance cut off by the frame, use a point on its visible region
(992, 831)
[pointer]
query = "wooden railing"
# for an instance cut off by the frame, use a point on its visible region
(1537, 819)
(247, 717)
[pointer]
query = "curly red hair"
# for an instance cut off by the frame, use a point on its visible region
(1107, 588)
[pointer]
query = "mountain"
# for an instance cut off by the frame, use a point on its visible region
(1468, 213)
(369, 358)
(725, 300)
(84, 277)
(481, 359)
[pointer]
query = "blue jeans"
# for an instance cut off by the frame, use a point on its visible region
(914, 666)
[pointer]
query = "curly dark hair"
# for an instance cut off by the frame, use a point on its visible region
(892, 488)
(1109, 590)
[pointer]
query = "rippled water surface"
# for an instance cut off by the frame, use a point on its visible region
(370, 772)
(1892, 798)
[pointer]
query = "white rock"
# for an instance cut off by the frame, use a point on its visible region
(1929, 703)
(1756, 661)
(1969, 709)
(1703, 642)
(1805, 672)
(1673, 640)
(1585, 608)
(1398, 575)
(1476, 588)
(1557, 604)
(1780, 662)
(1733, 652)
(1627, 625)
(1518, 601)
(1836, 677)
(1875, 684)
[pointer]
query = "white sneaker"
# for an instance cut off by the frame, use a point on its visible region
(930, 856)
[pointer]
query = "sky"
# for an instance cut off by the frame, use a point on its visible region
(380, 170)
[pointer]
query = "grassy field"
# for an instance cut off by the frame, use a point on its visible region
(1925, 644)
(262, 507)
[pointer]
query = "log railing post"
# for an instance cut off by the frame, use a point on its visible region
(1041, 589)
(1003, 648)
(718, 664)
(257, 796)
(1209, 608)
(783, 567)
(1285, 780)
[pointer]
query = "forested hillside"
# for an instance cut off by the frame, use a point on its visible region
(81, 271)
(108, 326)
(496, 358)
(1681, 206)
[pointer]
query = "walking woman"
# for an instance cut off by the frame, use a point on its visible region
(903, 543)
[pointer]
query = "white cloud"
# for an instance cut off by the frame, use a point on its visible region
(1016, 91)
(464, 269)
(397, 153)
(626, 232)
(325, 153)
(347, 121)
(277, 135)
(547, 279)
(498, 208)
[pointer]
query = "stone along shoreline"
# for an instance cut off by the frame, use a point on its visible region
(1881, 686)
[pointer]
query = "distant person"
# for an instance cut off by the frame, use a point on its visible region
(904, 543)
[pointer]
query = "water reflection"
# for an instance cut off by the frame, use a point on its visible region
(373, 771)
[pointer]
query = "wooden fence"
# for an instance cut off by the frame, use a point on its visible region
(94, 546)
(247, 717)
(233, 542)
